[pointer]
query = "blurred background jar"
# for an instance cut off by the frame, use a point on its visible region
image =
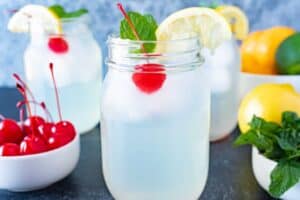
(77, 61)
(224, 66)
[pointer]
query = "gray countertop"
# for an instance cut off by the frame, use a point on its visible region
(230, 172)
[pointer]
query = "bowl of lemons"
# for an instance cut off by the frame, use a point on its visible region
(270, 56)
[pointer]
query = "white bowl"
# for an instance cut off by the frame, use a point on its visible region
(33, 172)
(262, 168)
(249, 81)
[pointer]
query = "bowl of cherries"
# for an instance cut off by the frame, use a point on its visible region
(36, 152)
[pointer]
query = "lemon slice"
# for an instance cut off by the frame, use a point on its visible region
(237, 19)
(20, 21)
(211, 28)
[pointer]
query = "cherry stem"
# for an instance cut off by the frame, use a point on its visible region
(42, 105)
(21, 115)
(18, 78)
(24, 94)
(120, 6)
(56, 91)
(25, 86)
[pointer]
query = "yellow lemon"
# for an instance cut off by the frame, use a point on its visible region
(21, 20)
(205, 23)
(268, 101)
(236, 18)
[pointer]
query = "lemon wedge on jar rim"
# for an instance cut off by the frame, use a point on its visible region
(211, 27)
(237, 19)
(20, 21)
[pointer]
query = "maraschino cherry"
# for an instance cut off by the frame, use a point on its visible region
(9, 149)
(31, 124)
(148, 77)
(10, 131)
(63, 133)
(45, 130)
(33, 144)
(58, 44)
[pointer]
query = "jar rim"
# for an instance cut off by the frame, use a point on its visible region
(64, 22)
(115, 39)
(182, 54)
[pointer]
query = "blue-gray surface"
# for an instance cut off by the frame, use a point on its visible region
(104, 15)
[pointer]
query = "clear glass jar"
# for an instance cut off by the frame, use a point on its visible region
(155, 121)
(77, 69)
(224, 66)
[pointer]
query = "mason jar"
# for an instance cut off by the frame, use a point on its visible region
(224, 66)
(77, 61)
(155, 120)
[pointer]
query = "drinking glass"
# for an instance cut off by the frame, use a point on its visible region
(224, 66)
(77, 69)
(155, 120)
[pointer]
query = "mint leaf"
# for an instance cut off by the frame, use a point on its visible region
(151, 21)
(287, 142)
(258, 140)
(280, 143)
(285, 175)
(58, 10)
(212, 5)
(267, 128)
(61, 13)
(289, 136)
(145, 26)
(261, 135)
(290, 120)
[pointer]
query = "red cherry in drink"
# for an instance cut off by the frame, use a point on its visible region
(149, 77)
(32, 145)
(63, 133)
(45, 130)
(10, 132)
(31, 124)
(10, 149)
(58, 44)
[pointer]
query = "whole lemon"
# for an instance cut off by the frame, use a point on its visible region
(268, 101)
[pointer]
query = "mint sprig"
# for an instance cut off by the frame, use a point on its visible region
(61, 13)
(280, 143)
(145, 26)
(212, 5)
(285, 175)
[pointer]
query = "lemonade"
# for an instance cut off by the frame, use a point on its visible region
(156, 106)
(69, 45)
(155, 145)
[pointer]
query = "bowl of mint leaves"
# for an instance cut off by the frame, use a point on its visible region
(275, 154)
